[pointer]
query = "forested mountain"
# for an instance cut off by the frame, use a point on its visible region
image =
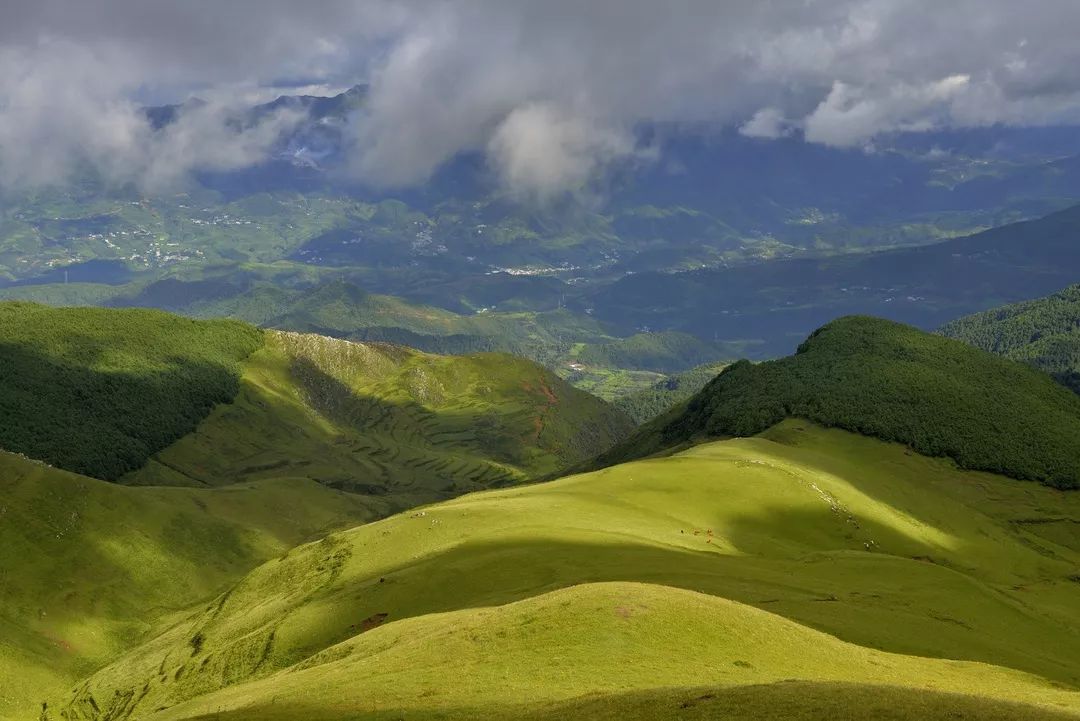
(646, 404)
(1044, 333)
(890, 381)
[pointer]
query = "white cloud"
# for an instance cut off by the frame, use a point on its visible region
(852, 116)
(539, 151)
(565, 78)
(65, 107)
(766, 123)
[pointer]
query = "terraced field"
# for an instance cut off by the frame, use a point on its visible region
(806, 568)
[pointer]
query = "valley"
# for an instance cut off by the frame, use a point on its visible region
(744, 262)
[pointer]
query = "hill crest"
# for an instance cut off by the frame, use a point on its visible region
(890, 381)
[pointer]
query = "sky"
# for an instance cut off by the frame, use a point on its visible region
(550, 92)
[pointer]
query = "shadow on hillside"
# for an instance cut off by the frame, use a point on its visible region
(312, 425)
(863, 598)
(860, 597)
(102, 423)
(483, 432)
(797, 700)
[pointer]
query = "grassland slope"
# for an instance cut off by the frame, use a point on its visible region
(389, 421)
(88, 568)
(150, 398)
(894, 382)
(840, 533)
(596, 641)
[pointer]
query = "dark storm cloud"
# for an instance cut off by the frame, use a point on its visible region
(549, 90)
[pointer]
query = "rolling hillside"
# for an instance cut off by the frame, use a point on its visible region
(390, 421)
(289, 296)
(88, 568)
(890, 381)
(1044, 333)
(246, 442)
(804, 569)
(97, 391)
(149, 398)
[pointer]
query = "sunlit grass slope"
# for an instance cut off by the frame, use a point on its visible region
(833, 532)
(88, 568)
(157, 399)
(593, 639)
(389, 421)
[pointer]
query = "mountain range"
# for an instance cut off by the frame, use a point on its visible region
(780, 236)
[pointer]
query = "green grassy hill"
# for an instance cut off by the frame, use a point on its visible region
(286, 296)
(625, 634)
(407, 426)
(891, 381)
(234, 472)
(150, 398)
(1044, 333)
(806, 569)
(88, 568)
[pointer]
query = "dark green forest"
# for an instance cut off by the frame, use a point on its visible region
(98, 391)
(894, 382)
(646, 404)
(1044, 333)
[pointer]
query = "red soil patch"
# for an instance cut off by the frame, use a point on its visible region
(373, 622)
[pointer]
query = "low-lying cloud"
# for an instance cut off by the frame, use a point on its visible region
(551, 92)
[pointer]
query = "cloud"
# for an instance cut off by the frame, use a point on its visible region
(66, 109)
(852, 116)
(206, 138)
(766, 123)
(550, 91)
(539, 151)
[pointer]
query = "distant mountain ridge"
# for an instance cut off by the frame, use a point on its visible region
(924, 286)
